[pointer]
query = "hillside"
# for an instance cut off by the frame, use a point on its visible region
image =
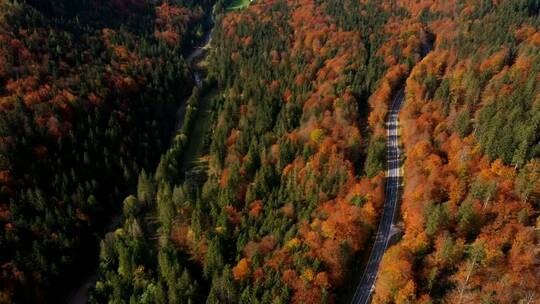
(87, 93)
(272, 187)
(296, 158)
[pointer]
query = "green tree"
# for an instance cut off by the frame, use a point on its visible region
(376, 156)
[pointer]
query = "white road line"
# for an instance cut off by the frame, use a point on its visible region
(393, 176)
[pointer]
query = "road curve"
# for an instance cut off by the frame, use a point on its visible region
(393, 183)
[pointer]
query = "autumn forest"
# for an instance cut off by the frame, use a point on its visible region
(234, 151)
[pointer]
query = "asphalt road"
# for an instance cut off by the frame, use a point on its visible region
(393, 182)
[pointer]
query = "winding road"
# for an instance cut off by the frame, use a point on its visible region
(393, 188)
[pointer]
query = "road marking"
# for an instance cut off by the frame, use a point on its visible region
(394, 173)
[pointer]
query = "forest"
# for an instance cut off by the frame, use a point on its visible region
(87, 101)
(270, 186)
(472, 169)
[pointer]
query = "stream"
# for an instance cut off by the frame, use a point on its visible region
(79, 295)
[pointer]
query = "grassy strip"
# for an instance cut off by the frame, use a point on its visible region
(238, 5)
(195, 146)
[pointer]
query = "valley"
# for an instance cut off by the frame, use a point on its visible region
(269, 151)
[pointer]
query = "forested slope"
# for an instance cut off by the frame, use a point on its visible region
(305, 88)
(286, 190)
(87, 95)
(285, 205)
(471, 131)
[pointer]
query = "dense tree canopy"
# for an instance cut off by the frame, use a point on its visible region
(272, 186)
(470, 133)
(86, 100)
(284, 207)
